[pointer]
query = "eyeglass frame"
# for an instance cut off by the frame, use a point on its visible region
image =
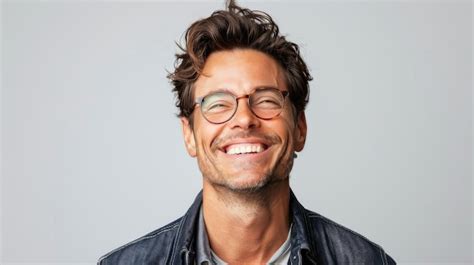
(199, 100)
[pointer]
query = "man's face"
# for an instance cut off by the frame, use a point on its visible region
(222, 150)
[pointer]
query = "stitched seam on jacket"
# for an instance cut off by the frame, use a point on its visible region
(310, 226)
(160, 231)
(324, 219)
(176, 237)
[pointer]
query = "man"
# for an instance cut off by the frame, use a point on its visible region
(241, 90)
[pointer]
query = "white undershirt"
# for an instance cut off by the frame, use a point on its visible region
(281, 256)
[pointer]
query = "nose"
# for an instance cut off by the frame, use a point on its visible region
(244, 117)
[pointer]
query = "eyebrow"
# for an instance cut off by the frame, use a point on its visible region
(226, 90)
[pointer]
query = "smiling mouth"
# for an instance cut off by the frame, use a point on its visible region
(239, 149)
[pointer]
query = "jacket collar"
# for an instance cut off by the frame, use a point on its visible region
(182, 251)
(302, 242)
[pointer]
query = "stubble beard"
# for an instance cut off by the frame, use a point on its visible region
(229, 186)
(258, 192)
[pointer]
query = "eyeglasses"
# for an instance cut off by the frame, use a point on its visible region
(219, 107)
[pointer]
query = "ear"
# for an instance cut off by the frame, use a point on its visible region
(188, 135)
(300, 132)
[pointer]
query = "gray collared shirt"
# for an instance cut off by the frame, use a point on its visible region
(203, 250)
(205, 255)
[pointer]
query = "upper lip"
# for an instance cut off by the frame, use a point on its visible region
(251, 140)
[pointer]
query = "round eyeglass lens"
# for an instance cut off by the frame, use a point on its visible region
(267, 103)
(218, 107)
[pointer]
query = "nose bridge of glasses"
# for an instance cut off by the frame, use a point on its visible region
(248, 103)
(243, 96)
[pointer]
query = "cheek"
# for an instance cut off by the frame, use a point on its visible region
(205, 136)
(284, 129)
(288, 127)
(289, 136)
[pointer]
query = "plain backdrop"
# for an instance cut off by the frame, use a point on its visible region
(92, 153)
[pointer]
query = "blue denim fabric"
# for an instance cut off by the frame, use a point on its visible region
(314, 240)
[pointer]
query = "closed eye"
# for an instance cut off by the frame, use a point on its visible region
(218, 107)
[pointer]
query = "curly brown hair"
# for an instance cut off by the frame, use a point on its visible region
(236, 28)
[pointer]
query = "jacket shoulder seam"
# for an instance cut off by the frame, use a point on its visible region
(383, 256)
(330, 222)
(151, 235)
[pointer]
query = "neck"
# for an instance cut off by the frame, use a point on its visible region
(246, 227)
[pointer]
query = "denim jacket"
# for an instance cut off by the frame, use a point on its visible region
(314, 240)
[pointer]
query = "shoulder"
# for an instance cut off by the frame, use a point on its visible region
(346, 245)
(147, 249)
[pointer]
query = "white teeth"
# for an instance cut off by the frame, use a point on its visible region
(244, 149)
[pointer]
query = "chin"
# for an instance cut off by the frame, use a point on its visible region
(249, 185)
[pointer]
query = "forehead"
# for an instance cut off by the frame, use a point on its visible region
(239, 71)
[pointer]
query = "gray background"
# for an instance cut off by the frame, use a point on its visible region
(92, 154)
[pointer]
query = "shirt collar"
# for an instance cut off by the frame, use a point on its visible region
(203, 250)
(298, 239)
(301, 238)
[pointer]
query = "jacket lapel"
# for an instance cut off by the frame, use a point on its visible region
(182, 251)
